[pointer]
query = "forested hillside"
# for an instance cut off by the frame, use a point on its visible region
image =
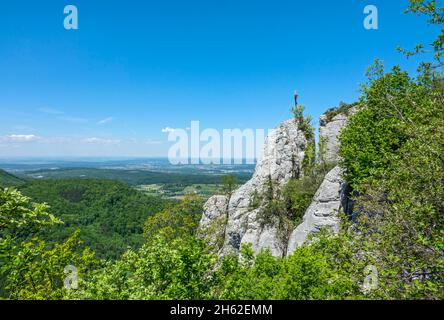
(7, 179)
(109, 214)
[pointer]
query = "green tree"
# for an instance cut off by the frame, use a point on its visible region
(435, 16)
(161, 269)
(304, 122)
(321, 270)
(179, 220)
(229, 183)
(29, 269)
(393, 153)
(110, 214)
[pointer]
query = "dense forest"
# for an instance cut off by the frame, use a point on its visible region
(8, 180)
(393, 156)
(109, 214)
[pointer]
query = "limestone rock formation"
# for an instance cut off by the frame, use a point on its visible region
(233, 221)
(329, 131)
(330, 198)
(214, 208)
(214, 218)
(281, 160)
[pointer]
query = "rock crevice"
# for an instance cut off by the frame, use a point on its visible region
(323, 210)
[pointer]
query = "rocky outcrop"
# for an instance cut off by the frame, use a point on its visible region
(234, 221)
(332, 195)
(281, 160)
(328, 201)
(214, 218)
(329, 130)
(215, 208)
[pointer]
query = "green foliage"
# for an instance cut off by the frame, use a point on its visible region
(375, 135)
(161, 269)
(9, 180)
(311, 272)
(34, 272)
(272, 207)
(343, 108)
(303, 122)
(29, 269)
(179, 220)
(298, 195)
(309, 161)
(18, 216)
(393, 152)
(435, 16)
(110, 214)
(229, 184)
(184, 269)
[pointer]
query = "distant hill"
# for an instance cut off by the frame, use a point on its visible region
(135, 177)
(110, 214)
(7, 179)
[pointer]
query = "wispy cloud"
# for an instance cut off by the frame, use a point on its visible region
(73, 119)
(62, 115)
(168, 130)
(95, 140)
(21, 137)
(50, 110)
(105, 121)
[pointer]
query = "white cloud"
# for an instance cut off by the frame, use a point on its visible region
(105, 121)
(168, 130)
(21, 137)
(50, 110)
(95, 140)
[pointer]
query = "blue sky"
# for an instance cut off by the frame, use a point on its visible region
(136, 67)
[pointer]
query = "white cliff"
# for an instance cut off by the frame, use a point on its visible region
(331, 197)
(329, 130)
(281, 160)
(232, 221)
(323, 211)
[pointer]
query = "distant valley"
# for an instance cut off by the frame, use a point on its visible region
(155, 176)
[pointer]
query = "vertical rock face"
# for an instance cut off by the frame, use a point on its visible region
(214, 208)
(330, 198)
(214, 219)
(329, 131)
(281, 159)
